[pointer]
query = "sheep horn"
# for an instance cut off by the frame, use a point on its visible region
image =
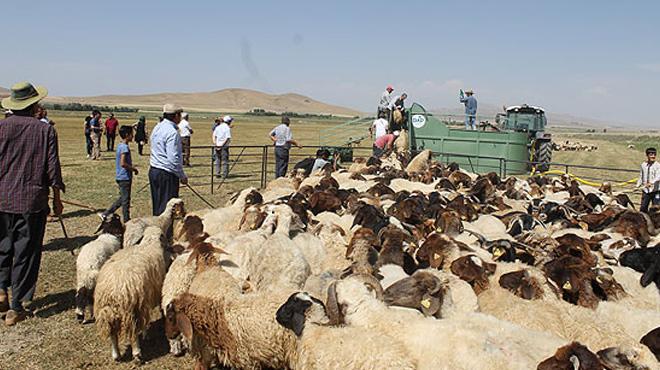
(332, 308)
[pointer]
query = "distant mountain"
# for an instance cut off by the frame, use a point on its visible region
(4, 92)
(227, 100)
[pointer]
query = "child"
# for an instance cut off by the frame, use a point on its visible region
(649, 177)
(124, 175)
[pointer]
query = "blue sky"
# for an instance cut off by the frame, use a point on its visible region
(597, 59)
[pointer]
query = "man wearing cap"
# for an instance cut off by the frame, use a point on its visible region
(29, 166)
(221, 140)
(385, 101)
(111, 125)
(166, 162)
(185, 130)
(282, 139)
(470, 109)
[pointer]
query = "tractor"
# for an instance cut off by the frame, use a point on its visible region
(530, 120)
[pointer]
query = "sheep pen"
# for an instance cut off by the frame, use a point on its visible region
(91, 352)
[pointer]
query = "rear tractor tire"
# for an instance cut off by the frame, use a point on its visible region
(543, 156)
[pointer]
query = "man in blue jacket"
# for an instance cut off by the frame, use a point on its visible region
(470, 110)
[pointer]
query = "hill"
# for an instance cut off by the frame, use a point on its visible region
(227, 100)
(4, 92)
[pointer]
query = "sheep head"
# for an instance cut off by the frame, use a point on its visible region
(626, 357)
(356, 286)
(422, 291)
(573, 277)
(176, 208)
(522, 284)
(652, 341)
(191, 226)
(299, 308)
(111, 225)
(204, 255)
(449, 222)
(252, 219)
(473, 270)
(572, 356)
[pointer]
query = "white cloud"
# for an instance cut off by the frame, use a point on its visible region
(652, 67)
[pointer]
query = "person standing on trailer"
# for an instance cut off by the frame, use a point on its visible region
(470, 103)
(385, 101)
(649, 181)
(282, 139)
(378, 129)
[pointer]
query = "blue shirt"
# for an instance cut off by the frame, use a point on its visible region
(166, 148)
(123, 174)
(470, 105)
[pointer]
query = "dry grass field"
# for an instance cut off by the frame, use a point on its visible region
(54, 340)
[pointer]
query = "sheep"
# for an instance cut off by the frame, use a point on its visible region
(135, 228)
(129, 286)
(577, 356)
(90, 259)
(228, 218)
(486, 343)
(420, 162)
(609, 324)
(240, 327)
(322, 347)
(422, 291)
(652, 341)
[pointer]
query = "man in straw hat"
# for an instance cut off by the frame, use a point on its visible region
(166, 159)
(470, 109)
(29, 166)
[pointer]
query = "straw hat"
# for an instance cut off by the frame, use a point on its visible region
(469, 91)
(23, 94)
(172, 108)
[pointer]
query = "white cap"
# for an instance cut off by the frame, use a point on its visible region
(184, 114)
(396, 133)
(8, 111)
(227, 119)
(172, 108)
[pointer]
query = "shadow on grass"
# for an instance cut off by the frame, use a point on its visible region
(81, 213)
(68, 244)
(53, 304)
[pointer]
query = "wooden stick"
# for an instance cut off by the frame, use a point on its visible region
(77, 204)
(200, 197)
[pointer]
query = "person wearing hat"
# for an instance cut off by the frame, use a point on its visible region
(649, 181)
(141, 133)
(282, 139)
(470, 109)
(29, 166)
(111, 125)
(166, 162)
(185, 130)
(95, 132)
(221, 140)
(8, 113)
(385, 101)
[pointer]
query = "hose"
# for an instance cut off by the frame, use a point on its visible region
(583, 181)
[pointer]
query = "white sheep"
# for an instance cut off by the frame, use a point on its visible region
(485, 342)
(226, 219)
(320, 346)
(420, 162)
(135, 228)
(90, 259)
(128, 288)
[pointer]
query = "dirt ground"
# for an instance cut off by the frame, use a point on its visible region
(52, 339)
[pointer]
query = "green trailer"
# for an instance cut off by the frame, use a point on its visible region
(476, 151)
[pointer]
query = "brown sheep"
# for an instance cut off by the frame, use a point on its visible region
(322, 201)
(633, 225)
(449, 222)
(652, 340)
(473, 270)
(422, 291)
(380, 189)
(573, 276)
(522, 284)
(572, 356)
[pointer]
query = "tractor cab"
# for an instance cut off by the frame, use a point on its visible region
(522, 118)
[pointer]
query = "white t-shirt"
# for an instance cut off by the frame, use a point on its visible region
(184, 128)
(380, 127)
(222, 134)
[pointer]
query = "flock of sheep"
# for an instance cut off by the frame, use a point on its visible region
(391, 264)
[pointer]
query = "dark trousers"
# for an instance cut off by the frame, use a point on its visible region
(110, 140)
(185, 143)
(378, 151)
(124, 200)
(88, 143)
(281, 161)
(222, 160)
(21, 240)
(648, 199)
(140, 147)
(164, 186)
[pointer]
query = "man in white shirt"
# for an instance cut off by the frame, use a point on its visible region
(649, 180)
(379, 127)
(185, 130)
(221, 139)
(282, 139)
(385, 101)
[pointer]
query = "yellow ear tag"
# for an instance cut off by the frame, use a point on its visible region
(567, 285)
(599, 279)
(426, 303)
(436, 256)
(497, 252)
(439, 230)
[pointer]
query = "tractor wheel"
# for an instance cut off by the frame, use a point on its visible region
(543, 156)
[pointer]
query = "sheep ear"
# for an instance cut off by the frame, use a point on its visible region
(184, 325)
(430, 305)
(649, 275)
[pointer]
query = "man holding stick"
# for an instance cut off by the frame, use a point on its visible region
(29, 166)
